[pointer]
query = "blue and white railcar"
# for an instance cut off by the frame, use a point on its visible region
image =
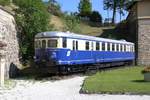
(64, 48)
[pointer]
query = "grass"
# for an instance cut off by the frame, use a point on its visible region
(120, 81)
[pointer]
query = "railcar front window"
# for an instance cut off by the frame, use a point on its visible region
(37, 44)
(52, 43)
(43, 43)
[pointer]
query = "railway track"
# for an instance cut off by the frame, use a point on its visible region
(42, 73)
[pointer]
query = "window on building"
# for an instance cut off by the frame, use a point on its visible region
(52, 43)
(97, 46)
(64, 42)
(87, 46)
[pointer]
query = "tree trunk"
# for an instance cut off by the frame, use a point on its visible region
(114, 12)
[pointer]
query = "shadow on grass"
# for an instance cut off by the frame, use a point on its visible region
(140, 81)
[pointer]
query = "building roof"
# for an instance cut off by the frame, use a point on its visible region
(77, 36)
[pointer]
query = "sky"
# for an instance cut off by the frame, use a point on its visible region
(72, 6)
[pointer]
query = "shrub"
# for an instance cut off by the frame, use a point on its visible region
(54, 8)
(4, 2)
(72, 23)
(146, 70)
(31, 17)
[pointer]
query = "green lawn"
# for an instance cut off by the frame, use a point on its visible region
(124, 80)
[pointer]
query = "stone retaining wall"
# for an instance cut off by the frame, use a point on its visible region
(144, 41)
(8, 34)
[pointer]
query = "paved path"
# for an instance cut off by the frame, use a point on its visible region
(66, 89)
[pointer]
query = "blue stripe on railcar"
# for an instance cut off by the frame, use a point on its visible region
(71, 57)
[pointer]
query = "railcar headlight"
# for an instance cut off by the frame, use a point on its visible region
(53, 55)
(34, 57)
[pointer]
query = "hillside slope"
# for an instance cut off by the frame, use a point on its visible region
(84, 27)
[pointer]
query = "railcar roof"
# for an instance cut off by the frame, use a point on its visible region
(76, 36)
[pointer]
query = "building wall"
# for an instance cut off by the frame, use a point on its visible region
(144, 41)
(143, 8)
(139, 24)
(8, 35)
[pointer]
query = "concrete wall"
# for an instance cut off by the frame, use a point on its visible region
(8, 35)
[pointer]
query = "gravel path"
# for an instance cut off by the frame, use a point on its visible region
(66, 89)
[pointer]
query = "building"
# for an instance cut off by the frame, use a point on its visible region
(139, 25)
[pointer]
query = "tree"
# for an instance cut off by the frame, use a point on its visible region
(31, 17)
(111, 5)
(54, 8)
(122, 6)
(72, 22)
(85, 8)
(116, 5)
(96, 17)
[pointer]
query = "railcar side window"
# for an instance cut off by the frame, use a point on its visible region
(87, 45)
(113, 47)
(108, 46)
(130, 48)
(97, 46)
(73, 43)
(125, 49)
(103, 46)
(52, 43)
(64, 42)
(43, 43)
(117, 46)
(122, 48)
(76, 45)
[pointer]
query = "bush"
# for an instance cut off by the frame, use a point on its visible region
(4, 2)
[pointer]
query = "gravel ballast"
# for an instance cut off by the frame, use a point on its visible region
(66, 89)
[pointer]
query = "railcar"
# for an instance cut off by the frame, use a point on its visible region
(68, 52)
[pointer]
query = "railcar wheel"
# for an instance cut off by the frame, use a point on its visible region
(64, 70)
